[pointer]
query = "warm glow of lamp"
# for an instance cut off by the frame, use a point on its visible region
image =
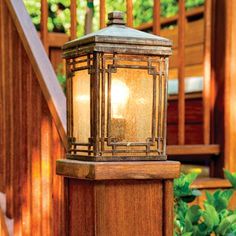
(119, 98)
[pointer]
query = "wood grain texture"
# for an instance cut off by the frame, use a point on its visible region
(2, 103)
(30, 142)
(181, 73)
(118, 170)
(44, 24)
(156, 17)
(129, 12)
(3, 226)
(193, 149)
(42, 67)
(73, 19)
(223, 77)
(122, 207)
(168, 209)
(207, 70)
(102, 10)
(230, 85)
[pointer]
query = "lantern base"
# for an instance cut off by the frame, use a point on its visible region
(116, 158)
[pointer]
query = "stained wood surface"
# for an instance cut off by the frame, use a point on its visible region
(3, 226)
(122, 207)
(129, 12)
(30, 138)
(207, 71)
(118, 170)
(41, 64)
(102, 10)
(224, 83)
(44, 24)
(156, 17)
(213, 149)
(181, 72)
(73, 19)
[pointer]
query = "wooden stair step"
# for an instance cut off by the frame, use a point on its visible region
(212, 149)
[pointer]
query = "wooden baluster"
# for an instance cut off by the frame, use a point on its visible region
(88, 25)
(207, 71)
(44, 24)
(157, 17)
(129, 11)
(73, 19)
(102, 14)
(181, 74)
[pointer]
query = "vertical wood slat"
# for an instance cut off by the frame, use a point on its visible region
(168, 199)
(207, 71)
(44, 24)
(156, 17)
(3, 226)
(2, 102)
(102, 14)
(230, 84)
(73, 19)
(181, 74)
(129, 12)
(46, 172)
(25, 145)
(18, 138)
(27, 118)
(9, 117)
(36, 186)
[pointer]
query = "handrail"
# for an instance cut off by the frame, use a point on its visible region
(168, 20)
(42, 66)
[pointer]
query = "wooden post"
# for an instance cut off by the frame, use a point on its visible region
(157, 17)
(181, 74)
(129, 10)
(73, 19)
(119, 198)
(224, 56)
(44, 24)
(207, 70)
(102, 14)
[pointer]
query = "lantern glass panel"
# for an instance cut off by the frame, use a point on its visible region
(137, 86)
(131, 108)
(81, 105)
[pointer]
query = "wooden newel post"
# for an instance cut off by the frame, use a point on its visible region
(120, 198)
(119, 181)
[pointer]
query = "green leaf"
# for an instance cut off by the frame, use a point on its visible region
(209, 198)
(226, 224)
(187, 234)
(210, 216)
(231, 177)
(193, 214)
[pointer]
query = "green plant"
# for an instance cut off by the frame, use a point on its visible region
(214, 218)
(61, 77)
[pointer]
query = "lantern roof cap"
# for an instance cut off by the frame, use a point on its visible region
(118, 33)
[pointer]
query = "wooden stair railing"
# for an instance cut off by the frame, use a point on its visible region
(3, 226)
(32, 127)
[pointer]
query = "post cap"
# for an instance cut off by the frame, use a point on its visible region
(116, 18)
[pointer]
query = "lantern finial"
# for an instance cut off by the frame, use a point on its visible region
(116, 18)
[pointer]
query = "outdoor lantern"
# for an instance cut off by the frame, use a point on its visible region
(117, 94)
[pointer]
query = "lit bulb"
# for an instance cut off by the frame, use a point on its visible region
(119, 98)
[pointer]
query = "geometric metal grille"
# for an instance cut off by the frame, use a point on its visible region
(104, 141)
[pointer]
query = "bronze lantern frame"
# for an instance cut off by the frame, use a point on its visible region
(102, 54)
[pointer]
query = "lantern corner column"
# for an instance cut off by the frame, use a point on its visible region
(119, 198)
